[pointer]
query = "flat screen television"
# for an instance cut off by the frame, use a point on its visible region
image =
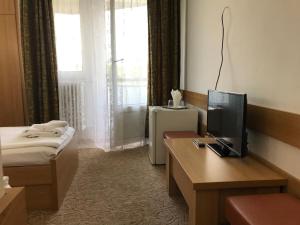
(226, 122)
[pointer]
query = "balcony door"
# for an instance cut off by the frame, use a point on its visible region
(102, 51)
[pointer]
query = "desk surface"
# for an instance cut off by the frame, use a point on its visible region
(206, 170)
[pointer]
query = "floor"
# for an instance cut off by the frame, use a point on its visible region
(116, 188)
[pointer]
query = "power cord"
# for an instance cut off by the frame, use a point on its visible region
(222, 48)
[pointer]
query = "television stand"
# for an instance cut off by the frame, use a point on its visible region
(220, 150)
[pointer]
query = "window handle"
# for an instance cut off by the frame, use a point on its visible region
(119, 60)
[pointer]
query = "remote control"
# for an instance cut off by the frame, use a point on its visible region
(198, 143)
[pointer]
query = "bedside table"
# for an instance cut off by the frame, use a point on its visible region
(13, 207)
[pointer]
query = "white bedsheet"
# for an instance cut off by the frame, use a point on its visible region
(33, 151)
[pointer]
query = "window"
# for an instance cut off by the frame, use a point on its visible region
(68, 42)
(132, 49)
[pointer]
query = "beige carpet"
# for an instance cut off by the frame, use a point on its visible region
(116, 188)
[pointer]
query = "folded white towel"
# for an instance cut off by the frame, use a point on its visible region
(33, 133)
(54, 128)
(15, 140)
(58, 123)
(60, 130)
(48, 128)
(50, 125)
(41, 127)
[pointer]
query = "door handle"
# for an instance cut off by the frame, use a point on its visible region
(119, 60)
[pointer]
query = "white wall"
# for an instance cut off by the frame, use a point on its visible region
(262, 58)
(183, 34)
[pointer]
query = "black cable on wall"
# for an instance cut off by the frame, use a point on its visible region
(222, 48)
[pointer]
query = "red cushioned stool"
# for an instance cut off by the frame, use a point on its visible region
(270, 209)
(180, 134)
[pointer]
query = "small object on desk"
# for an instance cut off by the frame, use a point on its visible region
(198, 143)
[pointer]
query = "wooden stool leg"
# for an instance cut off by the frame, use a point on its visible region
(204, 208)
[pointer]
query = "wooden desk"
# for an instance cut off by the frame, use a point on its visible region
(13, 207)
(205, 179)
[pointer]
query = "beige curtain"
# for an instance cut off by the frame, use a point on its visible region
(164, 51)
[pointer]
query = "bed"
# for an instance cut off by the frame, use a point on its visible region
(46, 172)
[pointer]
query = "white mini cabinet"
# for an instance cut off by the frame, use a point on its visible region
(161, 120)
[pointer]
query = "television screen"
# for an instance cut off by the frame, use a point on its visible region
(226, 119)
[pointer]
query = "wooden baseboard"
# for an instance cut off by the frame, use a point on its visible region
(284, 126)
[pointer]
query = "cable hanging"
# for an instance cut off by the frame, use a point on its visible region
(222, 48)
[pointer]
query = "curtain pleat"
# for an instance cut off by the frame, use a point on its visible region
(39, 56)
(164, 50)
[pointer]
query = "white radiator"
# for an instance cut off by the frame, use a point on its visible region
(71, 104)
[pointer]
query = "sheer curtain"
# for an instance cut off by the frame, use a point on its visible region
(102, 49)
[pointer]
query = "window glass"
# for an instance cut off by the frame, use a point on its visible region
(68, 42)
(132, 54)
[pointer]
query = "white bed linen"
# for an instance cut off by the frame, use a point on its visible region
(34, 155)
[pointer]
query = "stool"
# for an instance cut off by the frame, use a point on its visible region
(269, 209)
(180, 134)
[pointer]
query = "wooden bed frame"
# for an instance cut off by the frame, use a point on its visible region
(46, 185)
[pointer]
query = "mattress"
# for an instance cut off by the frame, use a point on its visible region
(37, 155)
